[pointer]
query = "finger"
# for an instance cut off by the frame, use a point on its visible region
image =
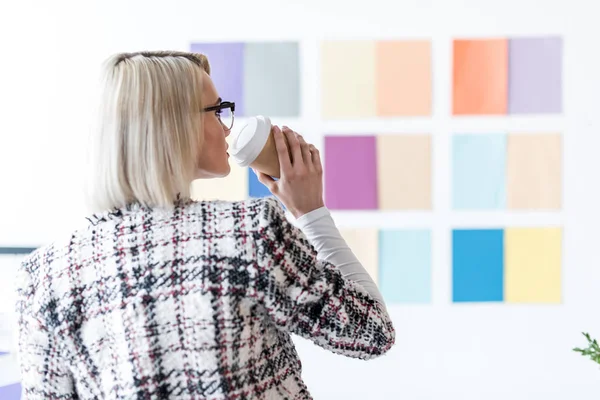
(294, 145)
(306, 157)
(316, 159)
(282, 150)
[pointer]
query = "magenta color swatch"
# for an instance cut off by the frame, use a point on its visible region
(535, 75)
(227, 70)
(350, 172)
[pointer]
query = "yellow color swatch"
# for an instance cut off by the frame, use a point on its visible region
(404, 172)
(403, 78)
(348, 79)
(364, 243)
(533, 259)
(233, 187)
(534, 171)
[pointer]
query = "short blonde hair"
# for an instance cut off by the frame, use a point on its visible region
(146, 146)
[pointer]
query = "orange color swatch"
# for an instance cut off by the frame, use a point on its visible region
(480, 77)
(403, 70)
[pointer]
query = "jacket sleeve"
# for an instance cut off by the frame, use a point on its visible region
(44, 372)
(310, 297)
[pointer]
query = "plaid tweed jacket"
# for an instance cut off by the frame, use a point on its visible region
(197, 302)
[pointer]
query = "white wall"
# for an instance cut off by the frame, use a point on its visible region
(50, 57)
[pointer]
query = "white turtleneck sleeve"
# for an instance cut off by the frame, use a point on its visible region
(322, 233)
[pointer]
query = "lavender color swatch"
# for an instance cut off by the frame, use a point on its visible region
(10, 392)
(350, 172)
(227, 70)
(535, 76)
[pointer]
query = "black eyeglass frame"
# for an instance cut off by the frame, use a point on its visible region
(222, 106)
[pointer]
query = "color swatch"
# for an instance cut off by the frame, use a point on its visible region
(260, 77)
(398, 261)
(370, 172)
(10, 392)
(507, 76)
(535, 76)
(404, 172)
(480, 76)
(405, 266)
(364, 244)
(533, 265)
(350, 172)
(534, 171)
(403, 85)
(477, 260)
(365, 78)
(499, 171)
(255, 187)
(478, 171)
(515, 265)
(233, 187)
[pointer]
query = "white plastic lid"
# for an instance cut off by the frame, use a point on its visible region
(250, 140)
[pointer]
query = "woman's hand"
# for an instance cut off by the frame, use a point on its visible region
(300, 187)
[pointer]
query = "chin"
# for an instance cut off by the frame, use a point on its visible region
(220, 173)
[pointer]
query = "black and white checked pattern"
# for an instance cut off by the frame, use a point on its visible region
(194, 303)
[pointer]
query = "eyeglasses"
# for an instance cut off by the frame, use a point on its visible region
(225, 112)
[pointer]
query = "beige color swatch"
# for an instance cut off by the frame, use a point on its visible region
(364, 243)
(532, 271)
(534, 171)
(404, 171)
(233, 187)
(403, 70)
(348, 79)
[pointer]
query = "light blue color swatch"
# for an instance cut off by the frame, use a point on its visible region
(478, 265)
(272, 79)
(479, 171)
(405, 266)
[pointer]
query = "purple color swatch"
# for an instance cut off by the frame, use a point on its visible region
(535, 75)
(10, 392)
(351, 173)
(227, 70)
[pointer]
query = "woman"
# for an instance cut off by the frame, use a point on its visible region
(162, 297)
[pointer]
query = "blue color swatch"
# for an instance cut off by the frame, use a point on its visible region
(405, 266)
(255, 188)
(479, 171)
(478, 265)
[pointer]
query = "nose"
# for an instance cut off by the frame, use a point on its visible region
(226, 130)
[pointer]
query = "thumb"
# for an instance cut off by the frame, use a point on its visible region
(266, 180)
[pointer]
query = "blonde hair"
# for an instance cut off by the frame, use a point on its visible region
(146, 146)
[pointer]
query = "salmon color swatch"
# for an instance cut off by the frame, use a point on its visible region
(403, 84)
(480, 77)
